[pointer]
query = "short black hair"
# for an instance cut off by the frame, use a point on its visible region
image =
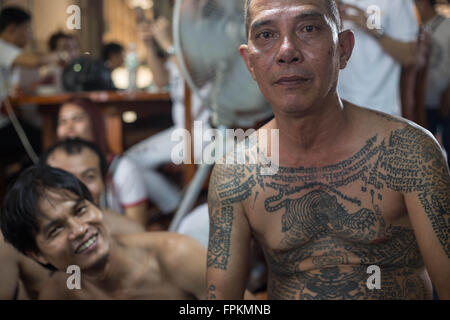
(13, 15)
(18, 217)
(330, 4)
(54, 38)
(75, 146)
(110, 49)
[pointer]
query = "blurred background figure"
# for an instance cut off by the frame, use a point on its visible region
(125, 189)
(51, 75)
(113, 57)
(156, 33)
(15, 35)
(372, 76)
(437, 98)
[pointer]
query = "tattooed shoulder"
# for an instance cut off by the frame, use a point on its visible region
(414, 163)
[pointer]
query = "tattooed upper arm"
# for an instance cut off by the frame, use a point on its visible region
(229, 235)
(416, 167)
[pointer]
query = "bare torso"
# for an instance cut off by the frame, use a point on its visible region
(321, 227)
(146, 277)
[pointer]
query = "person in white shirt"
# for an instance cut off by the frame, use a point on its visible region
(15, 33)
(372, 76)
(157, 149)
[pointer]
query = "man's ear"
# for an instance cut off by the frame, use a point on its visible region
(346, 45)
(243, 50)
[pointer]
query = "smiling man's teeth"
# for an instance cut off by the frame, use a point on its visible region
(87, 244)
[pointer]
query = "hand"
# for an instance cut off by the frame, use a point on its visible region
(61, 58)
(354, 14)
(146, 33)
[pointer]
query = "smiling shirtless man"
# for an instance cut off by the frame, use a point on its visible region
(49, 215)
(354, 187)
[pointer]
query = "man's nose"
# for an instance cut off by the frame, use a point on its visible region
(288, 51)
(78, 228)
(69, 125)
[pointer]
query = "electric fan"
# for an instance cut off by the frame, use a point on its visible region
(207, 35)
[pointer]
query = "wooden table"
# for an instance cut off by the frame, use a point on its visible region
(113, 104)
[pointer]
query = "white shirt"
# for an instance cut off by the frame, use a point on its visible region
(439, 67)
(124, 185)
(8, 77)
(196, 225)
(372, 77)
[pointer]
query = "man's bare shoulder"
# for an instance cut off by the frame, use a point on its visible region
(120, 224)
(382, 122)
(55, 288)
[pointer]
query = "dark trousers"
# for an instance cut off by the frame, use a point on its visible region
(436, 120)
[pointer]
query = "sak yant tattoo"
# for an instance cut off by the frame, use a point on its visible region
(332, 225)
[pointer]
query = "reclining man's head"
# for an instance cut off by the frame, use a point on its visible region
(83, 159)
(49, 215)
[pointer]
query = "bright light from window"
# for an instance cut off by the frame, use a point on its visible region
(129, 117)
(144, 4)
(120, 77)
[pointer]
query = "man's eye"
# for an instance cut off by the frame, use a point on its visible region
(80, 210)
(264, 35)
(310, 29)
(90, 178)
(78, 118)
(54, 232)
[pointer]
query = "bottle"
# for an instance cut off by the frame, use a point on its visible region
(132, 64)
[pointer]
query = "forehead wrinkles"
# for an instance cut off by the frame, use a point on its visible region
(284, 8)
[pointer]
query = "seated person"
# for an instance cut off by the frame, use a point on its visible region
(50, 216)
(51, 75)
(21, 276)
(126, 191)
(113, 56)
(15, 34)
(85, 161)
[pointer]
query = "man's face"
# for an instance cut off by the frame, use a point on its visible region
(116, 60)
(84, 165)
(70, 232)
(74, 122)
(73, 48)
(293, 53)
(22, 34)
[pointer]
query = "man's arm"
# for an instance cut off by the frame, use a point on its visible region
(156, 63)
(36, 60)
(404, 53)
(428, 206)
(229, 234)
(9, 277)
(184, 259)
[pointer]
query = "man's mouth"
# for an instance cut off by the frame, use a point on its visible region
(291, 80)
(88, 244)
